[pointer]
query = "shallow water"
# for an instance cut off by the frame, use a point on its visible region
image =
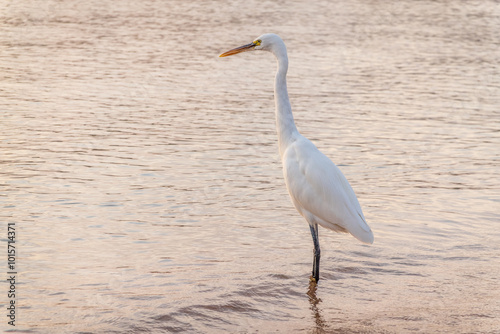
(143, 174)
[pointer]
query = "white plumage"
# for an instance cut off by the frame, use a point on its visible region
(317, 187)
(320, 191)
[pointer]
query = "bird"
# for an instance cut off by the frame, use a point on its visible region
(317, 188)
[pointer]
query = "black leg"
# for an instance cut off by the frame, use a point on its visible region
(317, 252)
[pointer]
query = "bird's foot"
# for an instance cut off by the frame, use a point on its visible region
(312, 279)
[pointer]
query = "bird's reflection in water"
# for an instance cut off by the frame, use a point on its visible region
(314, 301)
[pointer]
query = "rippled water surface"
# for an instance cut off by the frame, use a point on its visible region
(143, 174)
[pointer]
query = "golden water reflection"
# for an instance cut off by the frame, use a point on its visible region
(144, 176)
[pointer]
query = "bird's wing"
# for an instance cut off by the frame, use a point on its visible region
(318, 187)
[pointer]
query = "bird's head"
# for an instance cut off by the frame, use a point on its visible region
(266, 42)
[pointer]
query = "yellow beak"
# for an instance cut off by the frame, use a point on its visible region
(243, 48)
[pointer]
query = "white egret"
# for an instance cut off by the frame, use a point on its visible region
(317, 187)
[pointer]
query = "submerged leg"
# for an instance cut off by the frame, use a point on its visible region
(315, 271)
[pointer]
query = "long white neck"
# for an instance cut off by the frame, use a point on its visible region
(285, 125)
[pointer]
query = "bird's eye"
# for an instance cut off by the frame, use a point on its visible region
(257, 42)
